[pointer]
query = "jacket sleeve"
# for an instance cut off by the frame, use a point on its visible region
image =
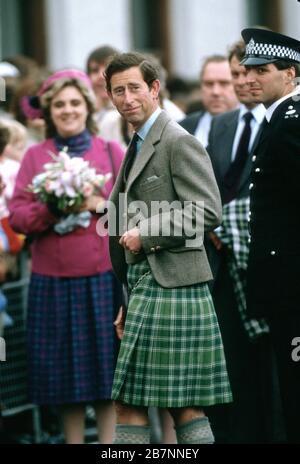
(198, 206)
(27, 214)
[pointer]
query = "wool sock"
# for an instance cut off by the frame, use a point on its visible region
(196, 431)
(138, 434)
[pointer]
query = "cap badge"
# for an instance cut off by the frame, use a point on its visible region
(251, 46)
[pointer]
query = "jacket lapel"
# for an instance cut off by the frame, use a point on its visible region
(148, 148)
(227, 136)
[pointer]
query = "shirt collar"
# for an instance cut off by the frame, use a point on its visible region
(206, 118)
(258, 112)
(143, 131)
(272, 108)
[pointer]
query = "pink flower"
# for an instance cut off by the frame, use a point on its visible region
(87, 190)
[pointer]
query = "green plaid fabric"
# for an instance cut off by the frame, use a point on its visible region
(235, 234)
(171, 354)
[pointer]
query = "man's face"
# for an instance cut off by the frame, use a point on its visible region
(240, 84)
(217, 93)
(96, 75)
(268, 84)
(132, 97)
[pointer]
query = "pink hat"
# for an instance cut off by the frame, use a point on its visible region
(65, 74)
(31, 105)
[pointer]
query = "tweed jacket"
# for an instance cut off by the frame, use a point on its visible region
(273, 267)
(171, 166)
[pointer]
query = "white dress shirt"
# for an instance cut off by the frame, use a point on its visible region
(203, 128)
(258, 115)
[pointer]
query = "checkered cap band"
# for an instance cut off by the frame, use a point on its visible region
(269, 50)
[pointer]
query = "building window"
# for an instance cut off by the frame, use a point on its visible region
(150, 28)
(266, 13)
(22, 29)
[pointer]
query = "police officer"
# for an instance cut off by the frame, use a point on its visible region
(272, 63)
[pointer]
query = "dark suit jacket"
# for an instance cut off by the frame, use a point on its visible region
(220, 143)
(190, 123)
(273, 268)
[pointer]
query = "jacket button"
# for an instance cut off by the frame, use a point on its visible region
(157, 248)
(251, 186)
(253, 158)
(152, 249)
(257, 170)
(273, 253)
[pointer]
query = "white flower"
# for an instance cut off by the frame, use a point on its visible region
(39, 179)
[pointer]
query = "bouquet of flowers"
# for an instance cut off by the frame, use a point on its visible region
(65, 184)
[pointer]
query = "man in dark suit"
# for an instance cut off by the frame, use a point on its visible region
(171, 354)
(217, 96)
(273, 290)
(242, 421)
(227, 129)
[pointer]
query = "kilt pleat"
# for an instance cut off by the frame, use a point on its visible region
(171, 354)
(71, 339)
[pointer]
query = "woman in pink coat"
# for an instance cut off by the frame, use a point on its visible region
(71, 341)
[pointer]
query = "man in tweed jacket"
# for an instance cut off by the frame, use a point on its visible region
(159, 254)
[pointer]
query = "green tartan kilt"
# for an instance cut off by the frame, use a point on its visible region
(171, 354)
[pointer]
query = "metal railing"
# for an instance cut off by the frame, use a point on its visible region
(13, 372)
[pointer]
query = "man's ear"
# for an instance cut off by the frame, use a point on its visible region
(291, 74)
(155, 87)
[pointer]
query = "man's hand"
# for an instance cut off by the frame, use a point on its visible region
(120, 323)
(131, 240)
(215, 240)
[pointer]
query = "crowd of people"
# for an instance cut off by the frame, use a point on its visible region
(197, 323)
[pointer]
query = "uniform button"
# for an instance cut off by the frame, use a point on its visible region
(253, 158)
(152, 249)
(273, 253)
(249, 240)
(157, 248)
(257, 170)
(251, 186)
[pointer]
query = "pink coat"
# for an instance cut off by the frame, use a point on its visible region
(79, 253)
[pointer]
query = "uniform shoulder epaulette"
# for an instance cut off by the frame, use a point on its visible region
(292, 112)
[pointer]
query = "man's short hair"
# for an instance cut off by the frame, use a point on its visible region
(238, 50)
(123, 61)
(211, 59)
(286, 64)
(100, 55)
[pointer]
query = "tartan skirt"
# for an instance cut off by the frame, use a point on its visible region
(71, 339)
(171, 354)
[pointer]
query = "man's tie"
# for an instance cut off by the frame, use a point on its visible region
(233, 175)
(131, 155)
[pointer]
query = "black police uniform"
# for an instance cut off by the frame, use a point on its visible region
(273, 284)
